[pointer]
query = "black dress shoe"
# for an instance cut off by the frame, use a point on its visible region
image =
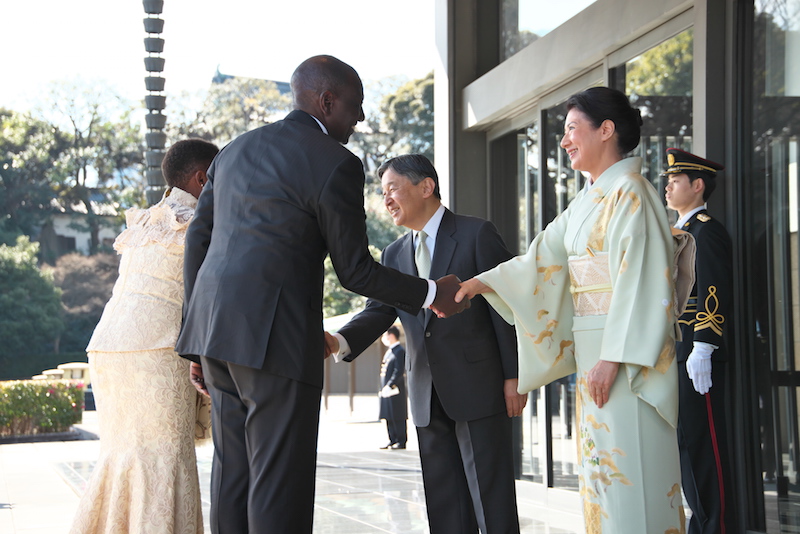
(389, 445)
(399, 446)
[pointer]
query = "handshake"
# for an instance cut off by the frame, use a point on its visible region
(444, 304)
(451, 298)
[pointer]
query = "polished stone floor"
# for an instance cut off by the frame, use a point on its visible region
(356, 493)
(360, 488)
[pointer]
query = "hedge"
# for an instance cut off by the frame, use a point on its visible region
(39, 406)
(24, 367)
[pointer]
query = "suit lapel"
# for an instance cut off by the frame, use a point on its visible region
(406, 264)
(443, 252)
(445, 246)
(405, 258)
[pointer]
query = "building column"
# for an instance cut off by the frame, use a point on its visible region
(467, 42)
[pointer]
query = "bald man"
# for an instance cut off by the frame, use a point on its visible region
(279, 199)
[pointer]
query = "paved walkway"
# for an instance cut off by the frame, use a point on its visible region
(360, 489)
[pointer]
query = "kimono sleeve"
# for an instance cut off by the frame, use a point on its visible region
(640, 318)
(532, 292)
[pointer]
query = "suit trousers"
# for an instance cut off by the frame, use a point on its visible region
(265, 450)
(702, 441)
(468, 473)
(396, 429)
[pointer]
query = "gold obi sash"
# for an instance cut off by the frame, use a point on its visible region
(590, 284)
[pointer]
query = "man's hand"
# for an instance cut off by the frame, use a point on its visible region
(698, 367)
(515, 402)
(444, 304)
(331, 345)
(196, 376)
(600, 379)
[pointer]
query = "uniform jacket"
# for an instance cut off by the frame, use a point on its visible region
(466, 357)
(279, 199)
(709, 309)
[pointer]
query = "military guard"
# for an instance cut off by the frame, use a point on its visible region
(702, 354)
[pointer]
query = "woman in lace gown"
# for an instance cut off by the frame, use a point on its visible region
(594, 294)
(145, 480)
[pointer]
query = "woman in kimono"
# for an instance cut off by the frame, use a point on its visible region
(594, 294)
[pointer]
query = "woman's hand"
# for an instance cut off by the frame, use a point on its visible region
(470, 288)
(600, 379)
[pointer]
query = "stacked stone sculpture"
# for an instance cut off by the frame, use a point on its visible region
(155, 101)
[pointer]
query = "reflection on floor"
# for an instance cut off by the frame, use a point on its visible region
(357, 493)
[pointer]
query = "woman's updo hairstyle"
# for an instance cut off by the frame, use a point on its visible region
(601, 103)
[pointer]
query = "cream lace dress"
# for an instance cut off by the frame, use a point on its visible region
(145, 480)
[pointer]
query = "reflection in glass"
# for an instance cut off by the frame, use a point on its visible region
(532, 431)
(523, 192)
(772, 194)
(529, 179)
(659, 83)
(561, 183)
(524, 21)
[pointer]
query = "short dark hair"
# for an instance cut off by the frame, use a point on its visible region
(393, 330)
(711, 183)
(601, 103)
(185, 158)
(415, 167)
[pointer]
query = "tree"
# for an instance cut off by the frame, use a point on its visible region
(28, 147)
(104, 152)
(664, 70)
(86, 283)
(30, 304)
(403, 124)
(232, 107)
(659, 82)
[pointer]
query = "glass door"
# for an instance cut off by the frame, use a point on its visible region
(771, 186)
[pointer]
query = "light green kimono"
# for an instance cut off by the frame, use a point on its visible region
(628, 452)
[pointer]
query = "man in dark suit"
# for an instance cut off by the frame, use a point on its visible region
(702, 437)
(462, 372)
(394, 397)
(279, 198)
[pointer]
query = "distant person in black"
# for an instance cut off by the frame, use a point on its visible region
(394, 398)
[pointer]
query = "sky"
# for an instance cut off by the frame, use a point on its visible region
(102, 41)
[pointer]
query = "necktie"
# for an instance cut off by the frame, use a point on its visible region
(422, 256)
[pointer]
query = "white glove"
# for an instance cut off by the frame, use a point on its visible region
(698, 366)
(388, 391)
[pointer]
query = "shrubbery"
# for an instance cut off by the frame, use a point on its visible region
(39, 406)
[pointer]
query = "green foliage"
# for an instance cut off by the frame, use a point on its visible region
(39, 406)
(86, 283)
(30, 307)
(337, 300)
(231, 108)
(104, 153)
(402, 125)
(664, 70)
(28, 147)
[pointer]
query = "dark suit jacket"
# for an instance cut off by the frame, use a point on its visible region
(708, 313)
(394, 374)
(468, 356)
(279, 199)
